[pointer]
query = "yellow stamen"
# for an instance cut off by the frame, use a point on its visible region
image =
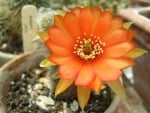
(90, 48)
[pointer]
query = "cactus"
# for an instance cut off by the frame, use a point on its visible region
(113, 5)
(12, 23)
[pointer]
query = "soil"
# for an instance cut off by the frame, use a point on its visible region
(26, 89)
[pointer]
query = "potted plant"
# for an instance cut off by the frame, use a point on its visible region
(86, 56)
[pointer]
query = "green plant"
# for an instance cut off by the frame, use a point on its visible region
(12, 22)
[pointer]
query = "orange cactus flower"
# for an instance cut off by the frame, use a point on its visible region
(90, 46)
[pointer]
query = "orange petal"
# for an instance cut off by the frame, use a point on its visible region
(115, 37)
(118, 50)
(96, 11)
(120, 63)
(117, 23)
(76, 11)
(72, 24)
(85, 76)
(106, 72)
(59, 37)
(86, 20)
(103, 24)
(63, 85)
(59, 60)
(70, 69)
(83, 94)
(58, 21)
(59, 50)
(130, 34)
(96, 84)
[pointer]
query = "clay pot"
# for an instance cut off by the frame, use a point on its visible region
(10, 70)
(140, 2)
(139, 16)
(142, 79)
(5, 57)
(141, 19)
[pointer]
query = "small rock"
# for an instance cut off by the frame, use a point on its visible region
(74, 106)
(64, 105)
(12, 82)
(43, 80)
(60, 112)
(34, 95)
(22, 90)
(67, 110)
(23, 76)
(50, 84)
(104, 92)
(29, 88)
(46, 100)
(38, 71)
(38, 86)
(41, 105)
(4, 46)
(47, 82)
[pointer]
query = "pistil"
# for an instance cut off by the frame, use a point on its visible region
(90, 48)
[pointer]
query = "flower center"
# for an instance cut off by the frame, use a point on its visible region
(88, 48)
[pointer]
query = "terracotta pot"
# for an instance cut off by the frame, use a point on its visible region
(140, 2)
(21, 63)
(142, 79)
(5, 57)
(139, 16)
(141, 19)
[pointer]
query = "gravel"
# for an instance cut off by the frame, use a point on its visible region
(31, 93)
